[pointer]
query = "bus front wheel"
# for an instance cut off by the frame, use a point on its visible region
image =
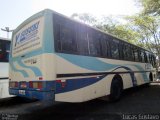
(151, 77)
(116, 88)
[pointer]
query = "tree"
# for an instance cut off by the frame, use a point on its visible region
(151, 28)
(85, 18)
(150, 7)
(148, 29)
(109, 25)
(122, 31)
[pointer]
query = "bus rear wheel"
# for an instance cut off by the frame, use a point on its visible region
(116, 89)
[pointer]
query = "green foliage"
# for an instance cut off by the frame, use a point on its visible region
(151, 7)
(121, 31)
(148, 29)
(109, 25)
(85, 17)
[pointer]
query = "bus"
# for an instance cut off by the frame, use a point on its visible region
(4, 67)
(57, 58)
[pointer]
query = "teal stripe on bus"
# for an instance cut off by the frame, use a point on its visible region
(24, 73)
(92, 63)
(36, 70)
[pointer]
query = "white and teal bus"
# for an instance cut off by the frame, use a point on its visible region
(56, 58)
(4, 67)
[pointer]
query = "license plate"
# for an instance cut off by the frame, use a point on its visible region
(22, 92)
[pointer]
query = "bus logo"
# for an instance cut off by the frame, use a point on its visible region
(27, 34)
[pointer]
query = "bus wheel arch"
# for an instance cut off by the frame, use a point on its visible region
(116, 88)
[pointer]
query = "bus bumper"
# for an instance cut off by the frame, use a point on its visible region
(40, 95)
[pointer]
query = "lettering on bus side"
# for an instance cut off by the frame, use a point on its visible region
(31, 61)
(27, 33)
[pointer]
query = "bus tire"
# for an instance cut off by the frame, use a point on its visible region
(116, 89)
(150, 77)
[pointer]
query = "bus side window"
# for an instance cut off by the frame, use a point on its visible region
(57, 24)
(64, 35)
(121, 54)
(153, 60)
(105, 46)
(146, 56)
(132, 52)
(83, 47)
(139, 55)
(150, 58)
(136, 54)
(142, 56)
(94, 43)
(127, 53)
(115, 49)
(68, 37)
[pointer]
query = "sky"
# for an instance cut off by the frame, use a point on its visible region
(14, 12)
